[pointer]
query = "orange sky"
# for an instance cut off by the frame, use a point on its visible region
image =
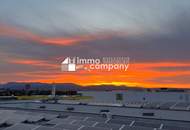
(138, 74)
(142, 74)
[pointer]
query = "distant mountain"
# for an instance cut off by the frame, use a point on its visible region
(59, 86)
(104, 87)
(75, 87)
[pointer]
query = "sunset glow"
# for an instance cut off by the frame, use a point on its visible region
(34, 41)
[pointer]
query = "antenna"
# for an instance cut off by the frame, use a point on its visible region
(53, 92)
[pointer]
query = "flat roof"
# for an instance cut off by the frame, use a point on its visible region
(38, 119)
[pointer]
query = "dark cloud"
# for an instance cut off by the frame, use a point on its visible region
(170, 44)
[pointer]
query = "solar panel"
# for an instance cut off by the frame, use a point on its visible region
(34, 113)
(148, 120)
(147, 124)
(47, 128)
(49, 116)
(109, 125)
(16, 119)
(68, 126)
(85, 123)
(6, 114)
(21, 112)
(177, 123)
(4, 125)
(94, 128)
(76, 117)
(7, 111)
(171, 127)
(59, 121)
(125, 118)
(12, 117)
(137, 128)
(167, 105)
(33, 119)
(116, 121)
(181, 106)
(151, 105)
(62, 116)
(134, 104)
(97, 119)
(22, 127)
(2, 121)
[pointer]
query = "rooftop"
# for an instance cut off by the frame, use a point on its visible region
(38, 119)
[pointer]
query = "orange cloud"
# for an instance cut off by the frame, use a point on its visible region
(11, 31)
(32, 63)
(138, 74)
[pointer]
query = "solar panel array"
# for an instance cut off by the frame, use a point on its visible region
(145, 104)
(167, 105)
(38, 120)
(159, 105)
(182, 106)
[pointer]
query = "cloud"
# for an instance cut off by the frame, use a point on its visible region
(169, 44)
(15, 32)
(32, 62)
(157, 58)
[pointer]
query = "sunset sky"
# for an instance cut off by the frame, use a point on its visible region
(36, 36)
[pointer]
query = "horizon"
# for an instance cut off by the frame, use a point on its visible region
(94, 85)
(36, 36)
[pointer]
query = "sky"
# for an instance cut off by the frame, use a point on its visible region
(36, 36)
